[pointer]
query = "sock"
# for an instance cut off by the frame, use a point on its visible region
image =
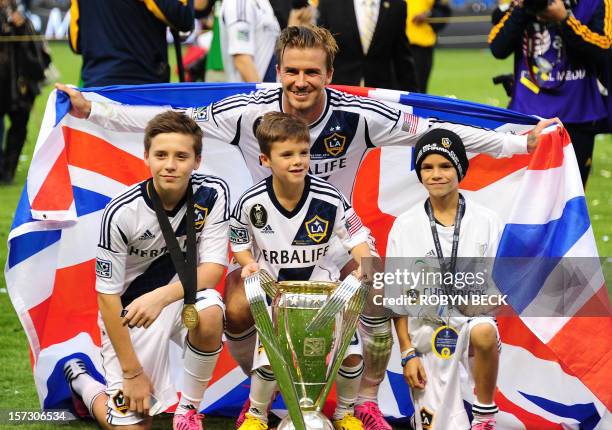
(263, 385)
(347, 387)
(198, 368)
(377, 342)
(483, 412)
(241, 346)
(88, 388)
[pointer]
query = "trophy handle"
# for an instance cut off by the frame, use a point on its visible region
(352, 295)
(257, 301)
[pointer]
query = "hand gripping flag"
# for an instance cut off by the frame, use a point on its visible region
(554, 372)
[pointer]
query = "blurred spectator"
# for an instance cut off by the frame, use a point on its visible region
(372, 42)
(558, 49)
(249, 30)
(293, 12)
(423, 35)
(124, 41)
(22, 70)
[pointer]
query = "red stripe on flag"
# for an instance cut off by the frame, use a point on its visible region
(225, 363)
(92, 153)
(55, 194)
(71, 309)
(585, 346)
(358, 91)
(549, 153)
(485, 170)
(530, 421)
(513, 331)
(365, 200)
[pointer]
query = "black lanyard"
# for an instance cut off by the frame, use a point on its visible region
(450, 267)
(186, 267)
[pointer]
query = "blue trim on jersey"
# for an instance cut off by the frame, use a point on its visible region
(279, 207)
(110, 211)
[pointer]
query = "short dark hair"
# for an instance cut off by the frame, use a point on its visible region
(278, 127)
(173, 122)
(307, 36)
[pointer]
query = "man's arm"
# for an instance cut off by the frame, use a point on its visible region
(246, 67)
(176, 14)
(506, 36)
(136, 384)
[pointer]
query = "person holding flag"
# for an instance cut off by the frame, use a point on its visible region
(343, 128)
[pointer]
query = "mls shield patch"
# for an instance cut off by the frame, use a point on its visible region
(239, 235)
(104, 268)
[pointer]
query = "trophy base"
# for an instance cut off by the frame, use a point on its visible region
(314, 420)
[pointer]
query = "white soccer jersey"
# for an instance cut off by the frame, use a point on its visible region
(249, 27)
(132, 256)
(440, 405)
(295, 245)
(348, 127)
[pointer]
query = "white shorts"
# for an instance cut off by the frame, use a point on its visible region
(151, 346)
(440, 405)
(260, 358)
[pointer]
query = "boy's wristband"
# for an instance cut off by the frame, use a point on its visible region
(408, 352)
(133, 375)
(406, 359)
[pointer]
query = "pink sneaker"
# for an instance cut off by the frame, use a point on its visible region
(242, 416)
(192, 420)
(488, 424)
(371, 416)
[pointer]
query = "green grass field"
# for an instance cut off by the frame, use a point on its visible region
(465, 74)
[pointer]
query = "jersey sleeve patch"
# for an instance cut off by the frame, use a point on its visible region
(104, 268)
(411, 123)
(239, 235)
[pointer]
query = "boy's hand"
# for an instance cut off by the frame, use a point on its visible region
(414, 373)
(249, 269)
(533, 137)
(144, 310)
(137, 393)
(80, 107)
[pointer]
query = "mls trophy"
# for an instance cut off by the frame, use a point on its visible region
(314, 323)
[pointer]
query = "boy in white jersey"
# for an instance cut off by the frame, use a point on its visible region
(144, 233)
(447, 225)
(284, 224)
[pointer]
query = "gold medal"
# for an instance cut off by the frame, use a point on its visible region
(190, 316)
(444, 341)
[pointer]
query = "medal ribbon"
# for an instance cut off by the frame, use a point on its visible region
(186, 267)
(450, 267)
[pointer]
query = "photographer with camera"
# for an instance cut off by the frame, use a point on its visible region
(559, 48)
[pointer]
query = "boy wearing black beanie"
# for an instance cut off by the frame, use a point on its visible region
(434, 346)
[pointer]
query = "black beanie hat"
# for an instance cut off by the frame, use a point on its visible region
(445, 143)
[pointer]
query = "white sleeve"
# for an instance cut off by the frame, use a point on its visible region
(348, 226)
(117, 117)
(239, 18)
(213, 240)
(383, 127)
(111, 255)
(393, 248)
(241, 234)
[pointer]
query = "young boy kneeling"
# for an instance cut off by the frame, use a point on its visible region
(284, 224)
(445, 226)
(139, 295)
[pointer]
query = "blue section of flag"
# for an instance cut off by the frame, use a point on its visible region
(62, 106)
(26, 245)
(58, 390)
(585, 414)
(528, 253)
(23, 213)
(231, 403)
(175, 95)
(401, 393)
(87, 201)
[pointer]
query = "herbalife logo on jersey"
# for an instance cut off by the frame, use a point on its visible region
(267, 229)
(147, 235)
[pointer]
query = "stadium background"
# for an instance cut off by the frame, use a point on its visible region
(459, 72)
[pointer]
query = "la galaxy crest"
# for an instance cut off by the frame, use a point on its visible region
(334, 144)
(427, 418)
(316, 228)
(119, 402)
(200, 216)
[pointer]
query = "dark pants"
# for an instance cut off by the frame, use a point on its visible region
(15, 138)
(583, 140)
(423, 61)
